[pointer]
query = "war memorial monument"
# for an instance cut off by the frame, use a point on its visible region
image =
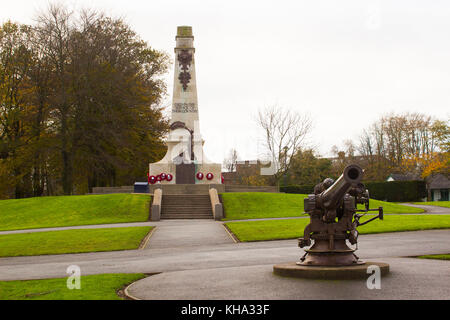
(185, 161)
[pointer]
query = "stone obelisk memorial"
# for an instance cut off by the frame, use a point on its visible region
(185, 161)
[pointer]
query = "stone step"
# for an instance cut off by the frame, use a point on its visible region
(186, 207)
(186, 203)
(209, 214)
(193, 210)
(182, 201)
(186, 212)
(189, 202)
(191, 205)
(185, 195)
(185, 216)
(185, 198)
(178, 209)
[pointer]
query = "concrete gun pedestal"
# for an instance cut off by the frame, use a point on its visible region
(359, 271)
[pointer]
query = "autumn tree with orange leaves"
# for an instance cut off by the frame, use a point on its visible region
(80, 97)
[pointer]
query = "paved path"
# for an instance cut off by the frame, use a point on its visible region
(429, 209)
(188, 233)
(206, 256)
(247, 274)
(409, 279)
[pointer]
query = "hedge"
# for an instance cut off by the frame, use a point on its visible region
(299, 189)
(393, 191)
(397, 191)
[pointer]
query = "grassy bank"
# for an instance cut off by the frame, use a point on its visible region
(293, 228)
(436, 257)
(72, 241)
(240, 206)
(254, 205)
(96, 287)
(47, 212)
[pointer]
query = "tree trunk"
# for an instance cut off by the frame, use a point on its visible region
(67, 172)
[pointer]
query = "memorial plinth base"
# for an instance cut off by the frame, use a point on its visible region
(294, 270)
(175, 189)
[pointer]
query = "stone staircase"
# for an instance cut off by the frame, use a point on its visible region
(184, 206)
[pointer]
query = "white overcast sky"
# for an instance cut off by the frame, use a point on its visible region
(344, 62)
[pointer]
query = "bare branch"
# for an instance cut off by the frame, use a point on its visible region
(285, 134)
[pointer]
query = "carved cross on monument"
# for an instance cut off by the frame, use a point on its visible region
(185, 59)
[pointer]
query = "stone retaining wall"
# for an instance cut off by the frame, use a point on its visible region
(188, 189)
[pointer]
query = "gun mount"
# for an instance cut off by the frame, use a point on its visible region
(334, 220)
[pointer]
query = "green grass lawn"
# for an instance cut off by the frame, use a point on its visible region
(96, 287)
(445, 204)
(239, 206)
(72, 241)
(293, 228)
(258, 205)
(47, 212)
(437, 256)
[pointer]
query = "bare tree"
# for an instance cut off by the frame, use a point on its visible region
(230, 160)
(343, 157)
(54, 31)
(285, 134)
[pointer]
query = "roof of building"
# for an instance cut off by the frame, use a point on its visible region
(439, 181)
(404, 177)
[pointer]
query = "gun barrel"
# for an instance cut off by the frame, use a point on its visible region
(331, 197)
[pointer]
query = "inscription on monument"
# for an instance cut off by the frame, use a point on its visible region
(184, 107)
